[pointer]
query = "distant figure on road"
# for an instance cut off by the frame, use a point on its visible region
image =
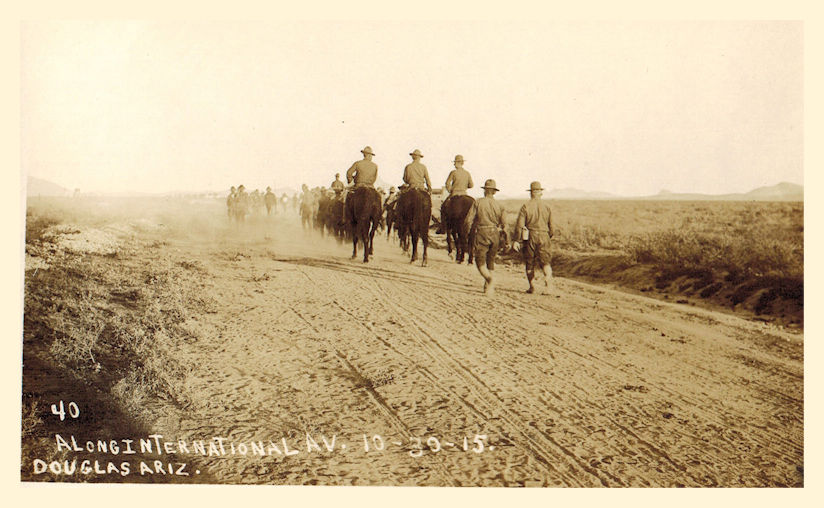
(241, 204)
(533, 229)
(271, 201)
(415, 174)
(337, 185)
(308, 206)
(230, 202)
(391, 197)
(487, 216)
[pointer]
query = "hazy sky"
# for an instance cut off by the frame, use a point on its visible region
(627, 108)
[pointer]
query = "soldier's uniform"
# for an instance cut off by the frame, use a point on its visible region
(230, 202)
(241, 204)
(488, 216)
(363, 172)
(458, 180)
(415, 174)
(391, 198)
(536, 217)
(271, 200)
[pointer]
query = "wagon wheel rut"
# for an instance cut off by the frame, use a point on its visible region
(587, 387)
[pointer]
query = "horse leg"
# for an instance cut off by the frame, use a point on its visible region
(449, 242)
(470, 251)
(364, 235)
(425, 240)
(462, 248)
(354, 244)
(370, 233)
(414, 246)
(372, 240)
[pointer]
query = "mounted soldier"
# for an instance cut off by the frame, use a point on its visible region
(337, 185)
(458, 181)
(415, 174)
(414, 207)
(362, 208)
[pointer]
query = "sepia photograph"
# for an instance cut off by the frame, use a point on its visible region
(467, 253)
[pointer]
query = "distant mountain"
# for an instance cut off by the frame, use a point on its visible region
(39, 187)
(783, 191)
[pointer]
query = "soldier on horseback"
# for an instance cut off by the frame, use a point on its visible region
(459, 179)
(362, 208)
(337, 185)
(362, 173)
(414, 206)
(415, 174)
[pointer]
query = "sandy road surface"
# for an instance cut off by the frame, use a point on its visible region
(592, 387)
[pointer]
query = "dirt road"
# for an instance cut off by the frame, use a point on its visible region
(590, 387)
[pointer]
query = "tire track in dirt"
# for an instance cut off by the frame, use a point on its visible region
(436, 382)
(484, 393)
(535, 406)
(378, 400)
(535, 448)
(658, 450)
(766, 442)
(576, 390)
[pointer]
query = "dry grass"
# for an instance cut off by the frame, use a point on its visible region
(104, 321)
(743, 251)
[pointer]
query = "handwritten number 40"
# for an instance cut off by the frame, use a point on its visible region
(59, 410)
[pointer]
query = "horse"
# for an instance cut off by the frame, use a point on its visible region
(453, 214)
(414, 211)
(334, 219)
(322, 212)
(363, 214)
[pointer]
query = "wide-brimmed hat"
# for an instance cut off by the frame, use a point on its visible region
(241, 187)
(268, 188)
(416, 152)
(490, 184)
(458, 158)
(368, 150)
(391, 190)
(535, 186)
